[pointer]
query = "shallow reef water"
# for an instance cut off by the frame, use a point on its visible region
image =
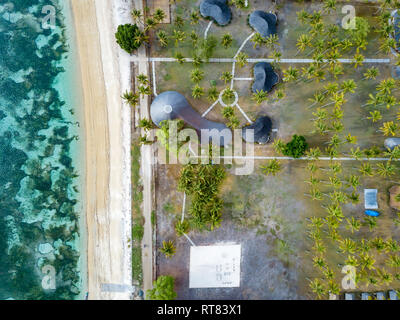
(39, 145)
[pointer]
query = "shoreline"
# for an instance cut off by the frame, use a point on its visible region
(79, 149)
(107, 169)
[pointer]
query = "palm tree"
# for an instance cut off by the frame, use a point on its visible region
(367, 261)
(393, 261)
(313, 153)
(303, 16)
(196, 60)
(385, 170)
(348, 86)
(144, 90)
(162, 38)
(393, 153)
(290, 74)
(271, 40)
(353, 181)
(168, 248)
(136, 15)
(366, 169)
(329, 5)
(178, 36)
(319, 262)
(179, 22)
(358, 59)
(273, 167)
(228, 94)
(370, 222)
(145, 124)
(228, 112)
(353, 224)
(181, 227)
(318, 288)
(318, 97)
(241, 59)
(212, 94)
(226, 40)
(196, 75)
(392, 246)
(276, 55)
(159, 15)
(179, 57)
(258, 40)
(303, 42)
(194, 17)
(389, 128)
(259, 96)
(356, 153)
(142, 79)
(375, 116)
(131, 98)
(386, 86)
(144, 141)
(197, 91)
(278, 145)
(194, 37)
(371, 73)
(226, 77)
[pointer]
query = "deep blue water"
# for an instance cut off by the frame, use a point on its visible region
(39, 182)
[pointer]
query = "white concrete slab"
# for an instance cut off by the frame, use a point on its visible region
(215, 266)
(370, 198)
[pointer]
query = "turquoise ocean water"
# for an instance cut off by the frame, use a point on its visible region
(41, 158)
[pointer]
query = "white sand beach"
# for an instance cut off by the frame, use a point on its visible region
(105, 75)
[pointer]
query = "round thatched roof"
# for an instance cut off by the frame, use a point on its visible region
(171, 105)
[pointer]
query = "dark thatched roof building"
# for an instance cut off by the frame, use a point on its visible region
(264, 77)
(171, 105)
(217, 10)
(262, 22)
(262, 131)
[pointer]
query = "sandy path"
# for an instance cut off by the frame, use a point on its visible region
(107, 220)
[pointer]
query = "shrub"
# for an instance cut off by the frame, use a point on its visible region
(295, 148)
(129, 37)
(163, 289)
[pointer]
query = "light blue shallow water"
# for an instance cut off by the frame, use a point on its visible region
(40, 155)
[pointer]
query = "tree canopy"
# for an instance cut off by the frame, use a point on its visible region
(129, 37)
(163, 289)
(295, 148)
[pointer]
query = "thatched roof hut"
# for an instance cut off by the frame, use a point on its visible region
(217, 10)
(262, 131)
(264, 77)
(263, 22)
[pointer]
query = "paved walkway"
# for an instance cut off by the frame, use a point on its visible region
(255, 60)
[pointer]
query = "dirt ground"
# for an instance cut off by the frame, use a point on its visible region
(266, 272)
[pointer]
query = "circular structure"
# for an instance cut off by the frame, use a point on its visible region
(167, 108)
(171, 105)
(264, 23)
(216, 10)
(221, 101)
